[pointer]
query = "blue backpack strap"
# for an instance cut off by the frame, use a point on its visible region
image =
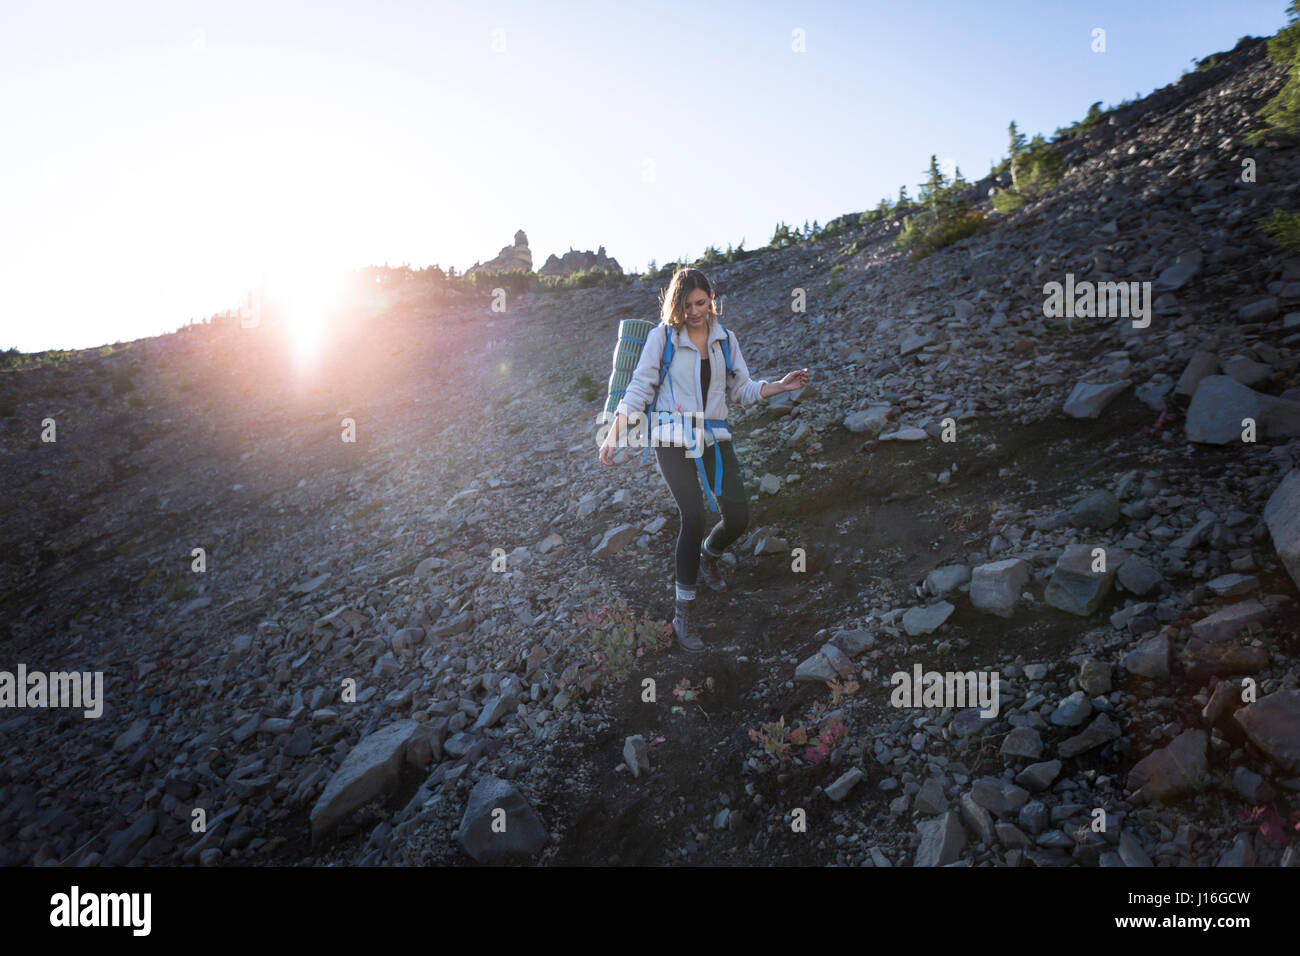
(711, 494)
(664, 362)
(726, 348)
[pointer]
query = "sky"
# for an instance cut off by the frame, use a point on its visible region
(157, 158)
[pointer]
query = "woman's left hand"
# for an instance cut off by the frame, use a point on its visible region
(796, 379)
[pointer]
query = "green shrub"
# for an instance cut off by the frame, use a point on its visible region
(921, 236)
(836, 282)
(1284, 45)
(1283, 228)
(616, 638)
(1038, 168)
(1281, 114)
(588, 387)
(582, 279)
(1006, 202)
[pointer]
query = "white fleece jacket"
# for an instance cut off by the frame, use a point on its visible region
(681, 388)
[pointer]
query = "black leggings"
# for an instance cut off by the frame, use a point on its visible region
(683, 481)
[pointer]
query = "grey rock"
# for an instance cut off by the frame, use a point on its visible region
(1010, 836)
(1273, 725)
(946, 580)
(926, 620)
(1227, 622)
(1100, 731)
(1131, 852)
(942, 840)
(868, 421)
(853, 643)
(125, 844)
(1074, 587)
(1097, 510)
(930, 798)
(1094, 677)
(369, 770)
(978, 822)
(838, 790)
(1072, 711)
(494, 708)
(615, 540)
(995, 587)
(1222, 403)
(1150, 658)
(1039, 776)
(636, 755)
(1265, 308)
(1137, 576)
(499, 825)
(815, 670)
(1089, 400)
(1022, 742)
(1282, 517)
(1173, 770)
(1247, 371)
(1241, 853)
(1201, 365)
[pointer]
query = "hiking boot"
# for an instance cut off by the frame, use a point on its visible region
(710, 574)
(687, 636)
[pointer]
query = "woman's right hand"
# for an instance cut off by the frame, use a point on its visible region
(611, 439)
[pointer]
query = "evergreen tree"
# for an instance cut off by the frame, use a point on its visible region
(1018, 147)
(903, 201)
(934, 191)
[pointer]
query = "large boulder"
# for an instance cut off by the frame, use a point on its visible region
(1173, 770)
(370, 770)
(1074, 586)
(499, 825)
(1220, 405)
(1273, 725)
(995, 587)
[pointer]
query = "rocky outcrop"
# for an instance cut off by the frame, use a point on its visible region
(514, 256)
(572, 262)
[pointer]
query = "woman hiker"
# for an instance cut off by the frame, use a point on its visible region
(695, 384)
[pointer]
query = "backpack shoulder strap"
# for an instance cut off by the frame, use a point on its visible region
(726, 350)
(668, 353)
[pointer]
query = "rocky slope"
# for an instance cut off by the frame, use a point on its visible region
(384, 644)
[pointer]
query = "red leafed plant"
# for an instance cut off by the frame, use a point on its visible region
(1271, 823)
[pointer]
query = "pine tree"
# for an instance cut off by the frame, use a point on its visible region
(934, 191)
(1018, 147)
(903, 201)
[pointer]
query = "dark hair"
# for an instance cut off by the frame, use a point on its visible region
(672, 301)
